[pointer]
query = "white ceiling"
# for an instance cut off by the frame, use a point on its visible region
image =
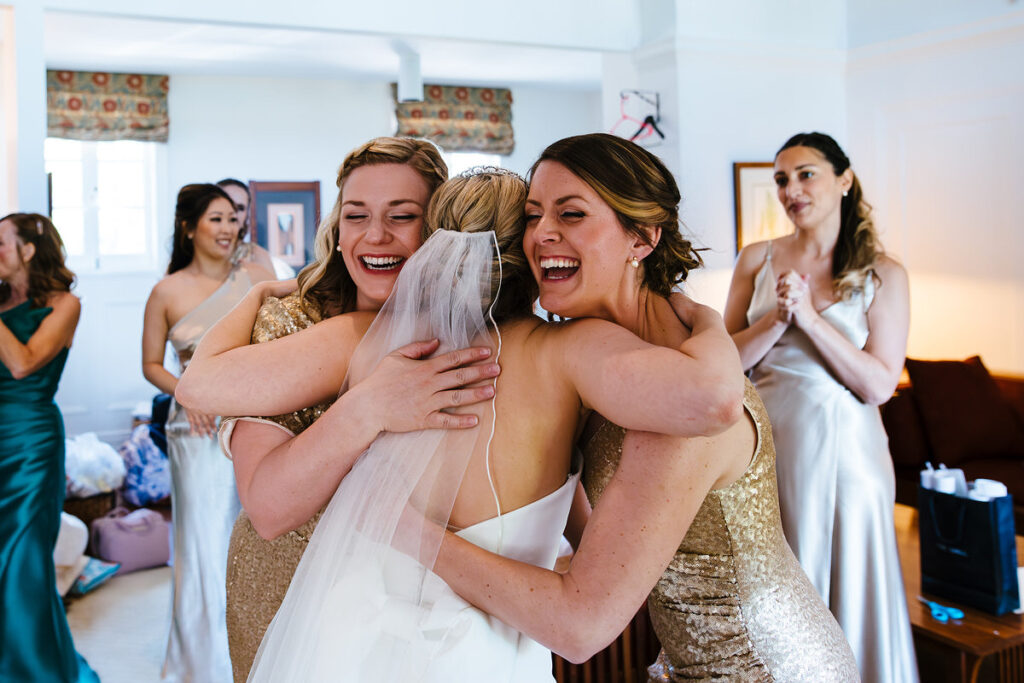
(92, 42)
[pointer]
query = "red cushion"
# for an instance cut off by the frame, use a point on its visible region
(907, 441)
(964, 415)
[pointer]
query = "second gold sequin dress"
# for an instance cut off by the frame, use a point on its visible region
(259, 571)
(734, 604)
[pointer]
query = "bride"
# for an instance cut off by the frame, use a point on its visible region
(363, 604)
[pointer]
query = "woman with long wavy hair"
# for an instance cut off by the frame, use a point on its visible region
(820, 317)
(38, 317)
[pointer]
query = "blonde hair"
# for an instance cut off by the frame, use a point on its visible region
(326, 281)
(488, 198)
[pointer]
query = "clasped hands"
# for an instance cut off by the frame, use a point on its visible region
(793, 299)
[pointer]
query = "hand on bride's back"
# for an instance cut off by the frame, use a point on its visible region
(408, 391)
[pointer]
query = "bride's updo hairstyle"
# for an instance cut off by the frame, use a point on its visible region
(326, 281)
(641, 191)
(488, 198)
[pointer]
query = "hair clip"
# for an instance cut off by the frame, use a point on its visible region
(39, 226)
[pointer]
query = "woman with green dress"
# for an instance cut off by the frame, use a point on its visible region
(38, 316)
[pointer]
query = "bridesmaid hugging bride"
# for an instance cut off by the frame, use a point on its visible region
(433, 559)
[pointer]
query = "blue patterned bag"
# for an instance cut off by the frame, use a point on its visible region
(149, 477)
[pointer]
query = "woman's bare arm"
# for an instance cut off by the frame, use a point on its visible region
(695, 390)
(284, 480)
(755, 340)
(53, 334)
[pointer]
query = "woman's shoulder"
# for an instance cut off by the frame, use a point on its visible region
(63, 300)
(752, 256)
(886, 264)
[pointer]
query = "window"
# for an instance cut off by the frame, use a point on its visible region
(463, 161)
(103, 197)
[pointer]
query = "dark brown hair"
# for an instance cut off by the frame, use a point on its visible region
(641, 191)
(235, 182)
(193, 200)
(857, 248)
(46, 270)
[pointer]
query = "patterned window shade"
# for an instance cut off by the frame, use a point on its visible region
(82, 105)
(460, 119)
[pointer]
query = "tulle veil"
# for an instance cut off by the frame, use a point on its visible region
(357, 608)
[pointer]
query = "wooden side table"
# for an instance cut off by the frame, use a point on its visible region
(979, 647)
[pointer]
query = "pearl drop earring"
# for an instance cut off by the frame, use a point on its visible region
(846, 193)
(634, 262)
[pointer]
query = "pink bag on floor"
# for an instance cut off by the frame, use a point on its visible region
(137, 540)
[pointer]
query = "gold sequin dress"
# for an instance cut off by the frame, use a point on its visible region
(259, 571)
(734, 604)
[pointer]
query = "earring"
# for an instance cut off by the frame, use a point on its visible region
(634, 262)
(338, 248)
(846, 193)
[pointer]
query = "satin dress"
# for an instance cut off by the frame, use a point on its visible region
(734, 604)
(204, 504)
(836, 485)
(35, 642)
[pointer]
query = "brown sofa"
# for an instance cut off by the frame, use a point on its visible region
(957, 414)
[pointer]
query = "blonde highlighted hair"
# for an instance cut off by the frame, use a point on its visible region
(326, 281)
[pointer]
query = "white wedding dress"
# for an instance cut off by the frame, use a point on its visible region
(360, 610)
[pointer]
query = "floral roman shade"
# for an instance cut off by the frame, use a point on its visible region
(83, 105)
(460, 119)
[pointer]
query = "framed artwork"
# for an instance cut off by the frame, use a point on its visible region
(284, 217)
(759, 214)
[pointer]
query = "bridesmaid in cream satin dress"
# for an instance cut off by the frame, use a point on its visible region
(820, 318)
(206, 278)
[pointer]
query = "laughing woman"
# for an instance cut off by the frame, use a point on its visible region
(696, 520)
(202, 284)
(38, 317)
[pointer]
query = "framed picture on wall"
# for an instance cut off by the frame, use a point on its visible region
(284, 217)
(759, 213)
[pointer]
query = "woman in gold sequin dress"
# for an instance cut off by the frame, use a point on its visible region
(376, 223)
(697, 520)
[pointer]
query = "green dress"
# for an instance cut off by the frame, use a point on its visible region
(35, 642)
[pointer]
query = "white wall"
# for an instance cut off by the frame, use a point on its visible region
(254, 129)
(935, 134)
(750, 75)
(591, 24)
(876, 21)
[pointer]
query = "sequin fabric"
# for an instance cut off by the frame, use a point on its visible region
(734, 604)
(259, 571)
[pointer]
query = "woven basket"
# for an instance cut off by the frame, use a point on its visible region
(90, 507)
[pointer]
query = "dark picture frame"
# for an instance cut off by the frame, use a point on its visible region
(759, 214)
(283, 218)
